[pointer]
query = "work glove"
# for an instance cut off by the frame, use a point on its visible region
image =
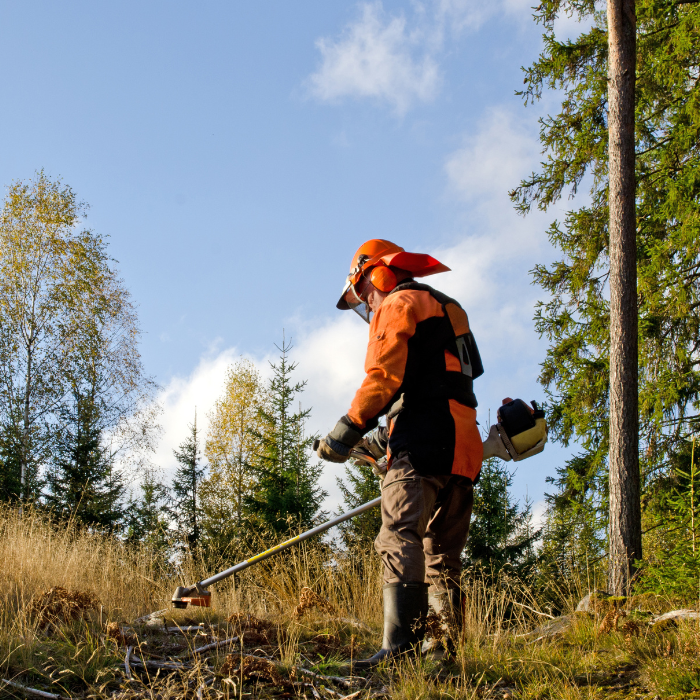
(336, 446)
(327, 453)
(374, 445)
(376, 442)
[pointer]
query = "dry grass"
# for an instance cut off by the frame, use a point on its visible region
(68, 600)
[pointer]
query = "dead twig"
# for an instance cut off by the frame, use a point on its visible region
(126, 662)
(345, 682)
(315, 692)
(163, 665)
(189, 628)
(200, 690)
(537, 612)
(33, 691)
(213, 645)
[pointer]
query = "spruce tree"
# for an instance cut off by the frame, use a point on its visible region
(574, 533)
(672, 566)
(188, 476)
(359, 486)
(11, 465)
(82, 482)
(149, 514)
(286, 494)
(501, 531)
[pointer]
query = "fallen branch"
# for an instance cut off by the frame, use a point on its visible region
(334, 679)
(189, 628)
(315, 692)
(150, 616)
(163, 665)
(537, 612)
(200, 690)
(351, 696)
(126, 662)
(33, 691)
(213, 645)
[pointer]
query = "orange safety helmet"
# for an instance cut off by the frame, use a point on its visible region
(377, 257)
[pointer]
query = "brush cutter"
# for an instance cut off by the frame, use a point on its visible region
(521, 432)
(200, 596)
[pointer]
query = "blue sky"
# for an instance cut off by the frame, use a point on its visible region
(237, 154)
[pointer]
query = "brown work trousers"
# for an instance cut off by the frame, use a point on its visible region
(425, 523)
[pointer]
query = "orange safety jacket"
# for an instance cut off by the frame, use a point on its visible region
(421, 362)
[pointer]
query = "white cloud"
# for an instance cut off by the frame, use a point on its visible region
(330, 353)
(539, 514)
(394, 60)
(493, 160)
(497, 246)
(461, 15)
(375, 57)
(182, 395)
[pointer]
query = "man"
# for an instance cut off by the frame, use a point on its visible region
(420, 365)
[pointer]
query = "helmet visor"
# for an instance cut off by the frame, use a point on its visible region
(350, 299)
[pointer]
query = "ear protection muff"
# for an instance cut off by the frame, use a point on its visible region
(383, 278)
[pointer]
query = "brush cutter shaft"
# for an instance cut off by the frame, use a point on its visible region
(289, 543)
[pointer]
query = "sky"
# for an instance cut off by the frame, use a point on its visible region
(237, 154)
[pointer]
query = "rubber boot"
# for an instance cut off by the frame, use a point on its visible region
(447, 605)
(405, 610)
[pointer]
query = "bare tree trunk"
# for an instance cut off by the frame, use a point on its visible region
(625, 510)
(26, 428)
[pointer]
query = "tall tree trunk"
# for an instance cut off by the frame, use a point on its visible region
(26, 427)
(625, 510)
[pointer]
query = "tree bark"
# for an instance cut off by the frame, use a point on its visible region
(625, 510)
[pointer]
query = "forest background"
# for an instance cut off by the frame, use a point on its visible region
(80, 414)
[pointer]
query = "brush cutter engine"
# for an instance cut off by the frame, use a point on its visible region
(520, 432)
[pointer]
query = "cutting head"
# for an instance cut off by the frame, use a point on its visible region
(192, 595)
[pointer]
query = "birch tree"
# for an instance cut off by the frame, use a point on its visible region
(230, 447)
(36, 233)
(68, 338)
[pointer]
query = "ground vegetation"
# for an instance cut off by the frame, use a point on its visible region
(85, 615)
